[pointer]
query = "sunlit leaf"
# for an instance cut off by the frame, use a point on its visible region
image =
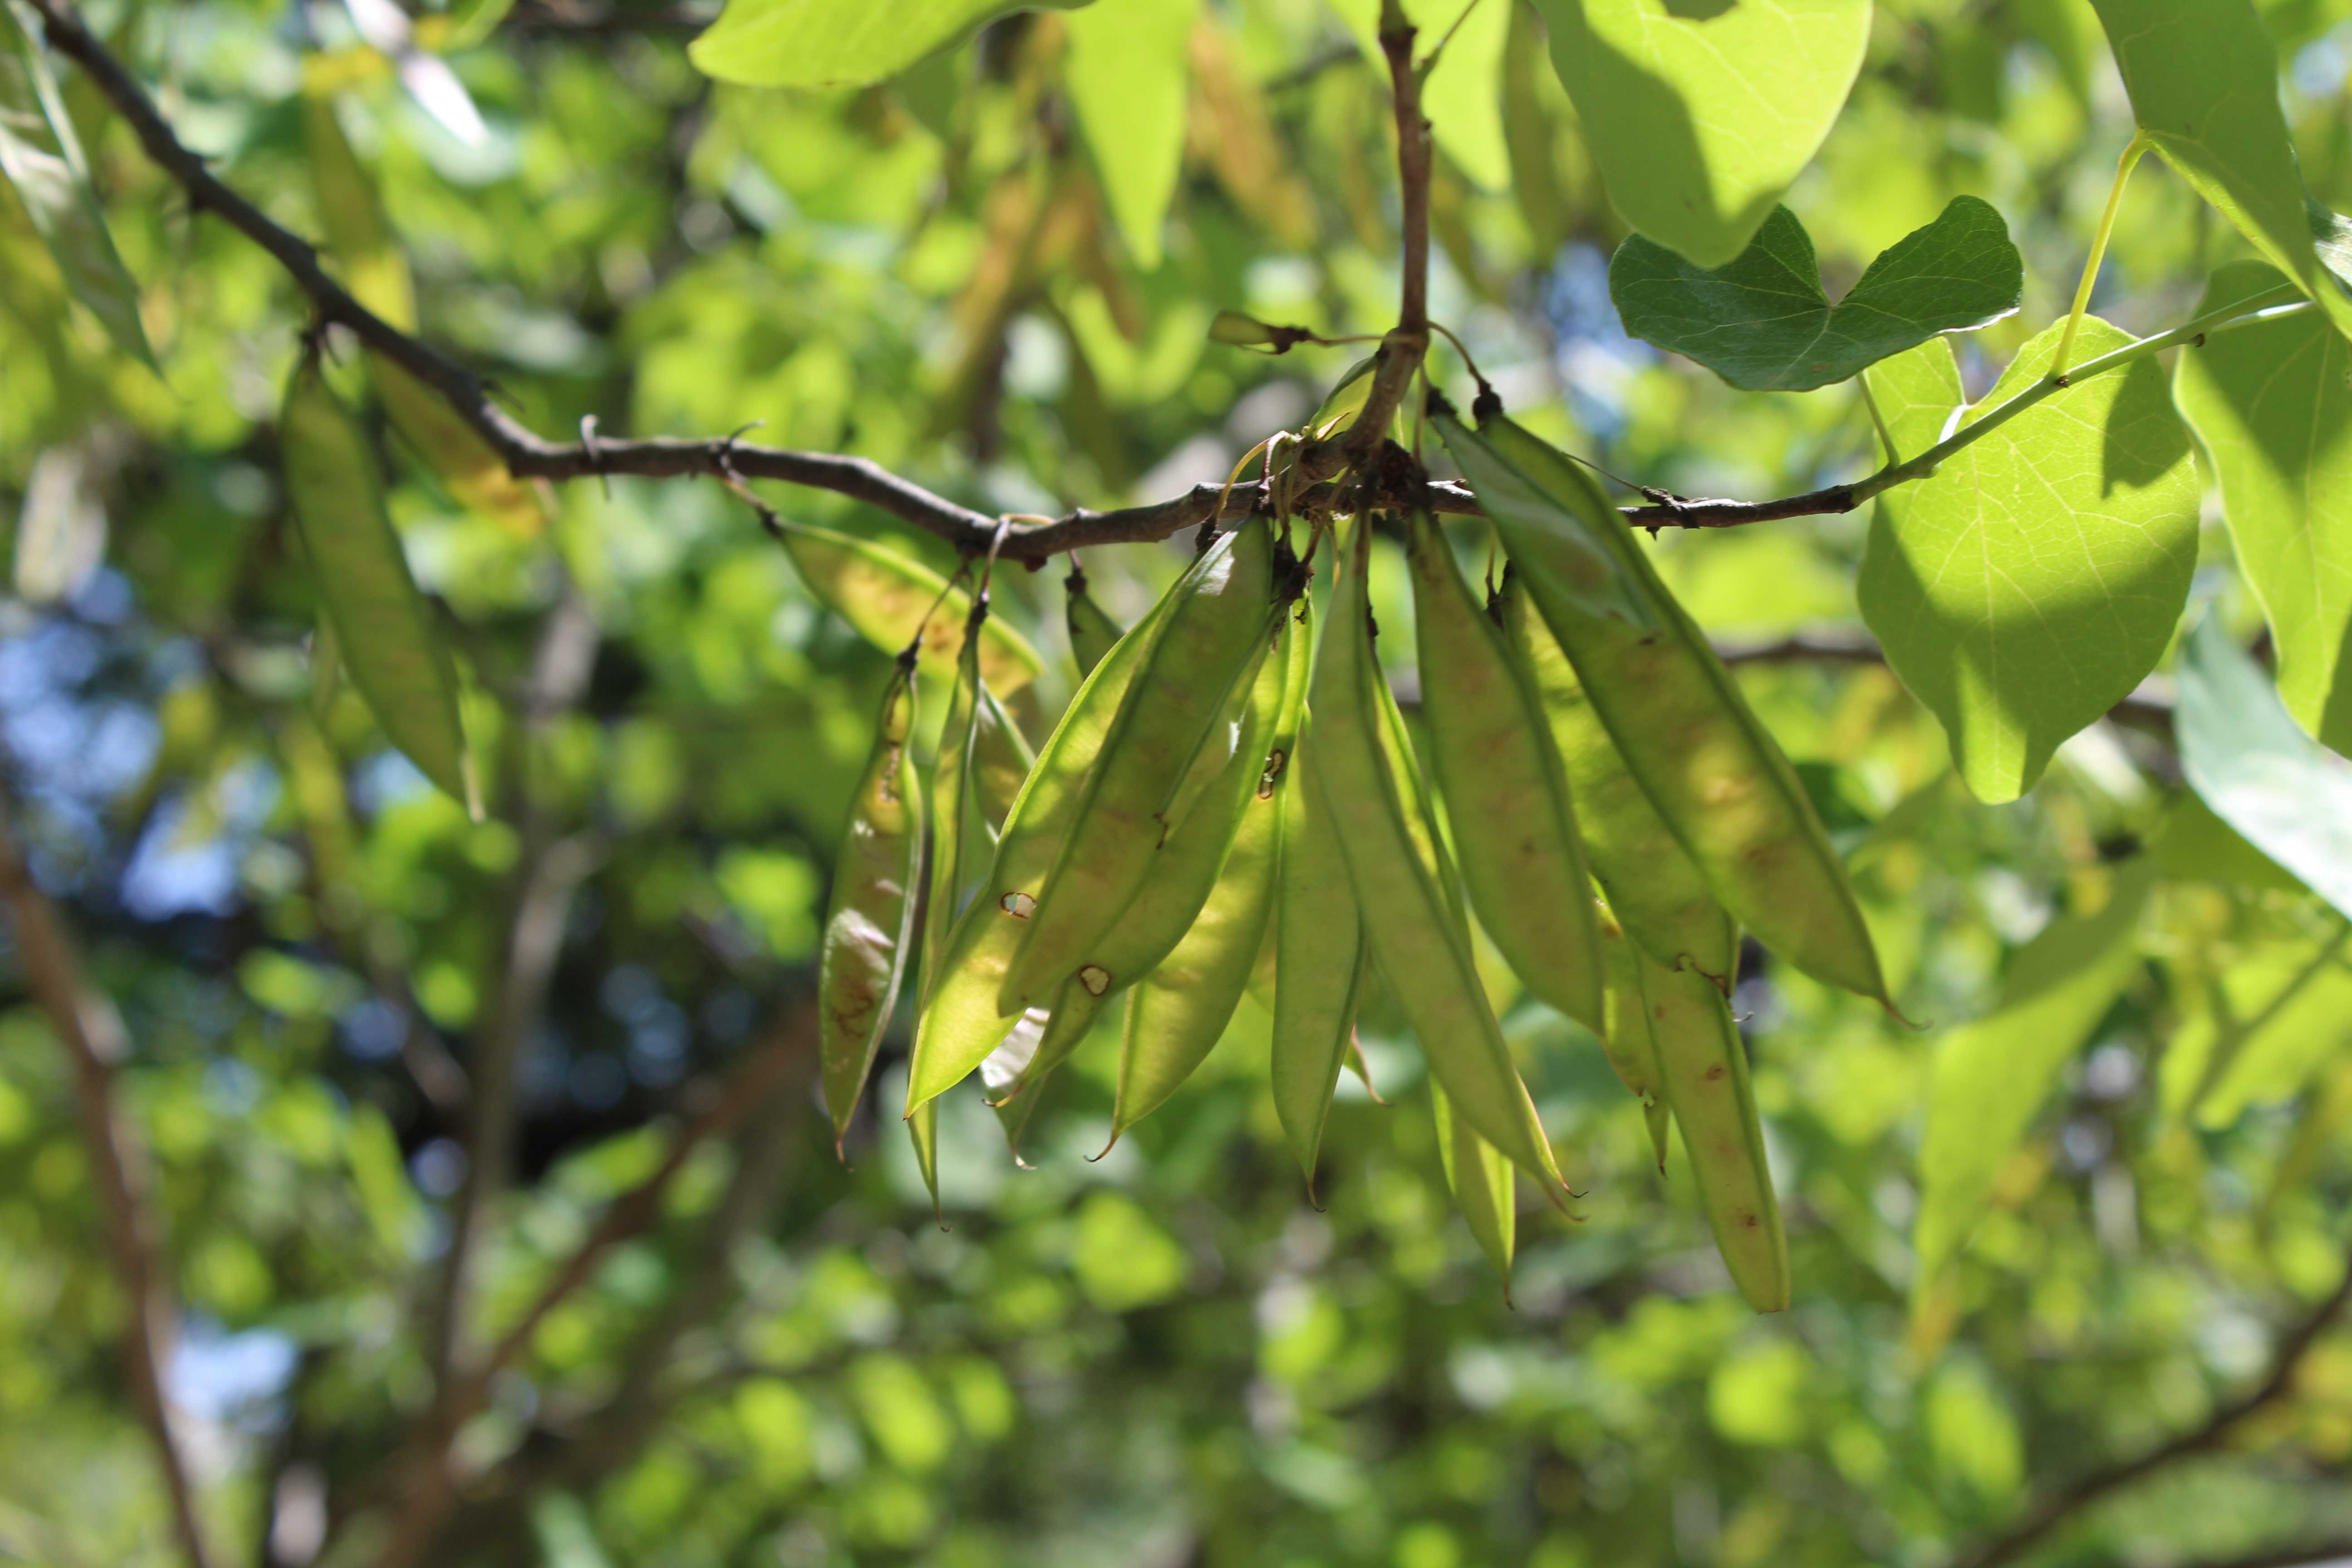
(1763, 322)
(1125, 73)
(42, 160)
(2289, 797)
(2204, 77)
(1992, 1075)
(2028, 585)
(839, 43)
(1701, 114)
(1463, 98)
(2272, 404)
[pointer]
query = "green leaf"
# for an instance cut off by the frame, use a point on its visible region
(1700, 112)
(390, 646)
(1125, 75)
(2204, 77)
(839, 43)
(42, 160)
(1992, 1075)
(2273, 1017)
(1763, 322)
(2272, 404)
(1463, 98)
(2288, 795)
(2028, 585)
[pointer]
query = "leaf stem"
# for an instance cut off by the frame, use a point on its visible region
(1885, 436)
(2195, 331)
(2138, 144)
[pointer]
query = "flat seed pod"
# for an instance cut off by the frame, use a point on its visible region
(1480, 1182)
(1320, 959)
(1654, 886)
(960, 1022)
(1183, 877)
(382, 625)
(923, 1128)
(1704, 1070)
(1625, 1034)
(890, 598)
(1680, 721)
(1092, 631)
(1215, 634)
(1507, 795)
(1001, 760)
(1414, 919)
(1177, 1011)
(869, 923)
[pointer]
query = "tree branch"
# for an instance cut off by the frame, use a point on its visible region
(87, 1024)
(430, 1483)
(530, 456)
(2059, 1507)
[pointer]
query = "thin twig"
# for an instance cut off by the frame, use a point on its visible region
(2059, 1507)
(529, 455)
(91, 1032)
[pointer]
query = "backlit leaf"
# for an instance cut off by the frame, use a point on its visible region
(1763, 322)
(1700, 112)
(1463, 98)
(2203, 79)
(42, 160)
(2288, 795)
(2028, 585)
(1125, 75)
(1992, 1075)
(2272, 404)
(839, 43)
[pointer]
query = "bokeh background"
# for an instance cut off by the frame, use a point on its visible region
(1169, 1355)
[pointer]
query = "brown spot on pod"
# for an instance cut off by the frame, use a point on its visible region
(1095, 978)
(1019, 906)
(1714, 1072)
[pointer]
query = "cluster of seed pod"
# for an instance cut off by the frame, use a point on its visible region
(1232, 802)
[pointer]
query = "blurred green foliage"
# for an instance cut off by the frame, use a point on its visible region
(1168, 1357)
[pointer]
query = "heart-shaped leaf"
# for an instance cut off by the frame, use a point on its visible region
(1701, 111)
(1764, 323)
(2030, 585)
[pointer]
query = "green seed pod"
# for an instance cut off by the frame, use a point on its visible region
(1704, 1066)
(1404, 884)
(1653, 888)
(1506, 796)
(1206, 650)
(1680, 721)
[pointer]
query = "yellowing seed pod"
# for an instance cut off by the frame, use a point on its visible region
(1716, 776)
(869, 924)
